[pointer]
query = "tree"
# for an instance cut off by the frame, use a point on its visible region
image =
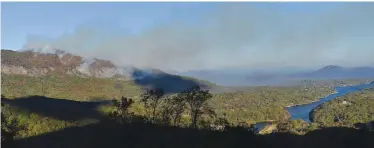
(9, 128)
(167, 111)
(284, 126)
(298, 126)
(122, 111)
(220, 124)
(196, 101)
(152, 99)
(179, 106)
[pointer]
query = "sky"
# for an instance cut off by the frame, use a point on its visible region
(193, 36)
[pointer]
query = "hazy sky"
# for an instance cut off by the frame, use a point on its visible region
(184, 36)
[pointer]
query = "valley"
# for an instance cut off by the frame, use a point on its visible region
(46, 98)
(187, 75)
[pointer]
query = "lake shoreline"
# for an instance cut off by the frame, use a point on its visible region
(338, 92)
(294, 105)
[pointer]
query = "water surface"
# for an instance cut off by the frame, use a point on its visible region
(302, 111)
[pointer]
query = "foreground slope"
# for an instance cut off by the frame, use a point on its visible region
(108, 133)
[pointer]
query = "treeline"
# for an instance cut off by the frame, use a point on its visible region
(186, 109)
(193, 108)
(249, 106)
(163, 124)
(252, 104)
(189, 108)
(189, 114)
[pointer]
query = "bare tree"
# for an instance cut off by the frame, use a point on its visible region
(196, 100)
(179, 106)
(152, 99)
(173, 109)
(122, 111)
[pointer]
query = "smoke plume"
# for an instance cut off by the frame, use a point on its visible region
(234, 35)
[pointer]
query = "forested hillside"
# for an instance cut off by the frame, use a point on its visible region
(251, 104)
(43, 106)
(347, 110)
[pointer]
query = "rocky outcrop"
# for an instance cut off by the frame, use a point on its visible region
(62, 63)
(268, 129)
(38, 64)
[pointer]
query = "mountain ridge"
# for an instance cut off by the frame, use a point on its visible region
(262, 78)
(33, 63)
(36, 64)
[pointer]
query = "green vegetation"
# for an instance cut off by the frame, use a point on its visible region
(231, 112)
(67, 87)
(62, 110)
(35, 121)
(265, 103)
(334, 83)
(299, 127)
(347, 110)
(135, 130)
(10, 127)
(253, 104)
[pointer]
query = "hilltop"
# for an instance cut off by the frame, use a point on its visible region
(63, 64)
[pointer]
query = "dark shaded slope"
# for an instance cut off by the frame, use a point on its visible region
(110, 134)
(168, 82)
(62, 109)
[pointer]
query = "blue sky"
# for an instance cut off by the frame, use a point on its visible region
(53, 19)
(197, 35)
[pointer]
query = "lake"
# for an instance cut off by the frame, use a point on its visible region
(302, 111)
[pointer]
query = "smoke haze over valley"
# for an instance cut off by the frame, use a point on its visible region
(216, 36)
(194, 75)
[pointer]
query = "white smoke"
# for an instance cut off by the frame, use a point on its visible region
(235, 35)
(85, 66)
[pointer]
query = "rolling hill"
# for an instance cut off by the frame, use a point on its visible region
(234, 77)
(62, 64)
(338, 72)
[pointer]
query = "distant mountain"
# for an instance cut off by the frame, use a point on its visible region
(60, 62)
(35, 64)
(338, 72)
(281, 77)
